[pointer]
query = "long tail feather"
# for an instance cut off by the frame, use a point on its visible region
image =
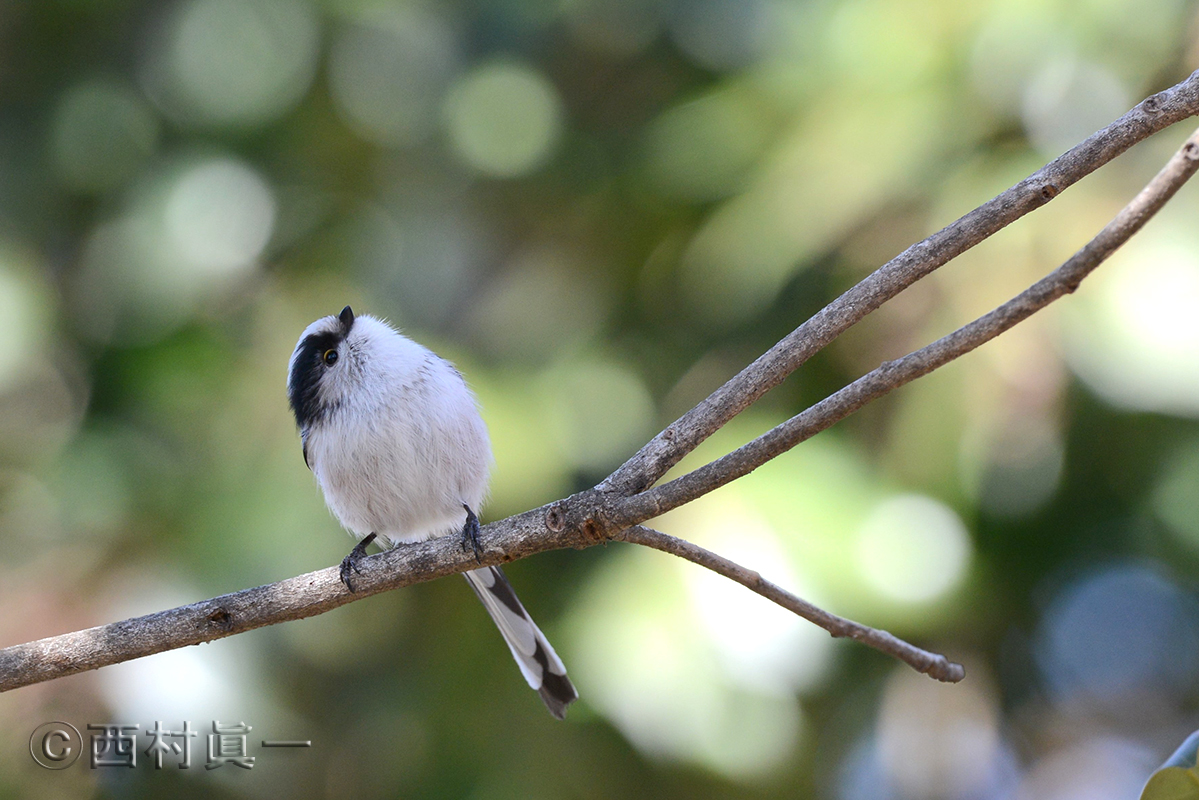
(536, 658)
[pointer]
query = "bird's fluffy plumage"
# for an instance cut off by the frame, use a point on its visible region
(395, 439)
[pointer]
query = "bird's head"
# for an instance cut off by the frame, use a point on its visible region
(325, 365)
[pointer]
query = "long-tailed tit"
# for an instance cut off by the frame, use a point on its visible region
(395, 439)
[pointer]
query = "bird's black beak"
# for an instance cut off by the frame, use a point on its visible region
(347, 319)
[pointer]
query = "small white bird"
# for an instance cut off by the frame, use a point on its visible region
(394, 437)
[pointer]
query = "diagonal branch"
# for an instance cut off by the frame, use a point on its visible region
(932, 664)
(1153, 114)
(612, 509)
(893, 374)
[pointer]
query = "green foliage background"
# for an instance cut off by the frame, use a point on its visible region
(600, 211)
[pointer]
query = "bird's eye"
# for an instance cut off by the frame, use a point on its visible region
(330, 357)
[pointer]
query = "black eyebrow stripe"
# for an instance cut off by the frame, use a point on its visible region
(322, 341)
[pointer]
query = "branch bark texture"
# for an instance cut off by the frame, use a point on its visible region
(616, 508)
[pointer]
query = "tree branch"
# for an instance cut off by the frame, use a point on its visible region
(613, 509)
(893, 374)
(1153, 114)
(931, 664)
(295, 598)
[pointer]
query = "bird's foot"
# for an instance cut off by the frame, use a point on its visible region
(470, 533)
(350, 563)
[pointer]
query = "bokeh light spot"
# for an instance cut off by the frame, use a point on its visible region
(233, 62)
(762, 646)
(189, 234)
(1120, 633)
(220, 215)
(913, 549)
(940, 741)
(504, 119)
(389, 72)
(648, 668)
(1132, 335)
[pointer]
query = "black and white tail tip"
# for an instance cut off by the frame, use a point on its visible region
(537, 660)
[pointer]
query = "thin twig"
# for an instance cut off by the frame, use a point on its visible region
(893, 374)
(932, 664)
(669, 447)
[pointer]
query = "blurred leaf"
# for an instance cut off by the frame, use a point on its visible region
(1172, 783)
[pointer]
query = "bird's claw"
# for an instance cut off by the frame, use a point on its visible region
(349, 564)
(470, 533)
